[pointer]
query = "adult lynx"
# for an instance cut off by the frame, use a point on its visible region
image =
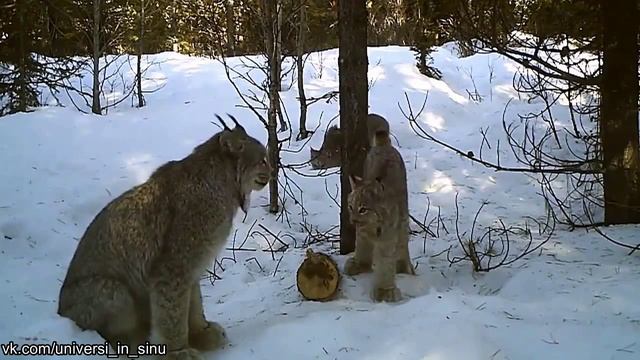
(135, 273)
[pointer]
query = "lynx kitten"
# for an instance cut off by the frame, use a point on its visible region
(378, 207)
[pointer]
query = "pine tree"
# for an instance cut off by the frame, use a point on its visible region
(30, 32)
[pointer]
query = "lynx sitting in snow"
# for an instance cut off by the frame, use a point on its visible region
(378, 207)
(135, 273)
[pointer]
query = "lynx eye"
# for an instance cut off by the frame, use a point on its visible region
(362, 210)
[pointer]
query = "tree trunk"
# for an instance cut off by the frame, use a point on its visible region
(21, 82)
(174, 26)
(48, 30)
(619, 112)
(269, 12)
(139, 57)
(231, 28)
(422, 61)
(278, 33)
(96, 107)
(352, 66)
(267, 27)
(278, 58)
(273, 151)
(302, 123)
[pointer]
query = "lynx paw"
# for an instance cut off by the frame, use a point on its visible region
(209, 338)
(353, 267)
(386, 295)
(405, 267)
(185, 354)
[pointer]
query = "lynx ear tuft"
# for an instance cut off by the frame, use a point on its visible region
(354, 181)
(238, 126)
(224, 124)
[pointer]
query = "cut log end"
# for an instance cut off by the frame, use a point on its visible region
(318, 277)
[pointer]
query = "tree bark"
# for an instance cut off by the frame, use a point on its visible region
(269, 8)
(139, 57)
(278, 58)
(96, 107)
(352, 66)
(231, 28)
(278, 33)
(302, 24)
(21, 81)
(619, 111)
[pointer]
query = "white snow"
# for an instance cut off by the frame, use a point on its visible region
(576, 298)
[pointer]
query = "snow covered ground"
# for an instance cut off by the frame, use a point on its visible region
(576, 298)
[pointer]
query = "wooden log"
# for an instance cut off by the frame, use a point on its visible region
(318, 277)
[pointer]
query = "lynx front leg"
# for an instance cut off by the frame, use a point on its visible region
(384, 288)
(363, 257)
(404, 265)
(204, 335)
(170, 298)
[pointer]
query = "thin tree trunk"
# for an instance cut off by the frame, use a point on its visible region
(139, 57)
(174, 27)
(96, 107)
(231, 28)
(267, 28)
(278, 59)
(21, 80)
(619, 112)
(302, 128)
(269, 12)
(141, 101)
(279, 42)
(48, 30)
(352, 63)
(273, 151)
(422, 65)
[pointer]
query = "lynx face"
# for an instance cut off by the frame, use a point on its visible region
(329, 154)
(324, 158)
(253, 164)
(250, 155)
(364, 201)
